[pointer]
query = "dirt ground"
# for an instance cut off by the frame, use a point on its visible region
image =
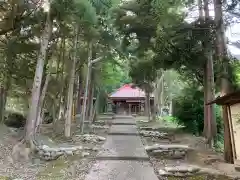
(65, 167)
(200, 156)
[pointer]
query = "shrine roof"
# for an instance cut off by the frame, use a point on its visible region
(127, 91)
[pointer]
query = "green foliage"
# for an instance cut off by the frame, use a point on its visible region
(113, 76)
(189, 111)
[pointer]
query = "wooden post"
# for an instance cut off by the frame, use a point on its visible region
(228, 148)
(231, 134)
(129, 106)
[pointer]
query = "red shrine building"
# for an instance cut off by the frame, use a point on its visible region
(129, 100)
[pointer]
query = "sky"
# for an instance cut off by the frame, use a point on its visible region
(232, 32)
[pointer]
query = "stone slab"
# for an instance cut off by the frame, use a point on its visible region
(105, 117)
(124, 121)
(126, 158)
(121, 170)
(118, 116)
(123, 146)
(124, 134)
(123, 129)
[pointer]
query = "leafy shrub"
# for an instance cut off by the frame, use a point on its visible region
(15, 120)
(189, 111)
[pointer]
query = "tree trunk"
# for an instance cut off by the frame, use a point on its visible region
(170, 107)
(146, 106)
(69, 111)
(205, 89)
(80, 93)
(159, 92)
(201, 17)
(91, 105)
(56, 100)
(3, 100)
(212, 127)
(41, 102)
(33, 110)
(7, 78)
(148, 111)
(225, 83)
(96, 108)
(61, 98)
(155, 107)
(89, 67)
(90, 98)
(162, 96)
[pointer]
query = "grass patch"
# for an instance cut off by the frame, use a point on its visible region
(170, 121)
(201, 177)
(56, 169)
(5, 178)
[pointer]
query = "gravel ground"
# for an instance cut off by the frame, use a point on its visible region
(8, 169)
(64, 168)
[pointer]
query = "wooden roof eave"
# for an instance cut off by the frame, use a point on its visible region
(228, 99)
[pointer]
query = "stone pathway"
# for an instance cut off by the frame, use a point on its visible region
(123, 156)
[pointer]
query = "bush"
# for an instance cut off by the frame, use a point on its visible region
(15, 120)
(189, 111)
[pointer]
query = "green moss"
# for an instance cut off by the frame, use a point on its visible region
(55, 169)
(5, 178)
(201, 177)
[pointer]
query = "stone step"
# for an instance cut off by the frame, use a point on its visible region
(181, 170)
(123, 146)
(121, 170)
(168, 147)
(123, 117)
(155, 134)
(123, 129)
(170, 151)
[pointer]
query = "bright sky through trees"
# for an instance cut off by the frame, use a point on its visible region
(232, 32)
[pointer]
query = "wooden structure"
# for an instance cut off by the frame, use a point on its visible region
(232, 102)
(129, 100)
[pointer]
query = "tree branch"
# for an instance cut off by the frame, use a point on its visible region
(96, 60)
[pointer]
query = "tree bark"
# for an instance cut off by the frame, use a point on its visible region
(89, 67)
(148, 105)
(155, 107)
(41, 102)
(96, 108)
(80, 94)
(91, 104)
(162, 96)
(33, 110)
(3, 100)
(170, 107)
(69, 111)
(61, 98)
(212, 127)
(225, 83)
(205, 89)
(90, 97)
